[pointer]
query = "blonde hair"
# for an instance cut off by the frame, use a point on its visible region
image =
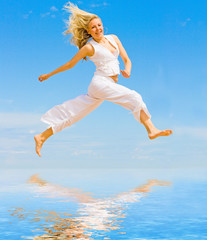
(77, 25)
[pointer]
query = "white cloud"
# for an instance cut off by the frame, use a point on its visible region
(92, 144)
(16, 135)
(141, 157)
(14, 120)
(53, 9)
(6, 101)
(144, 153)
(183, 24)
(15, 144)
(45, 14)
(94, 5)
(31, 131)
(25, 16)
(13, 152)
(82, 152)
(50, 13)
(198, 132)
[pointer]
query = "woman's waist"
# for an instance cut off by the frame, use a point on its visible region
(112, 78)
(115, 78)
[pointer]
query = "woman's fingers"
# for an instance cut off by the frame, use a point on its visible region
(125, 74)
(43, 77)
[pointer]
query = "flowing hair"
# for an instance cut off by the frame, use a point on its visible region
(77, 25)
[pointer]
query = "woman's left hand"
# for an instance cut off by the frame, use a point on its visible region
(125, 73)
(43, 77)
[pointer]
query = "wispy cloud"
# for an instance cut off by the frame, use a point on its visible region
(13, 151)
(93, 144)
(14, 120)
(144, 153)
(45, 14)
(96, 5)
(6, 101)
(198, 132)
(50, 13)
(16, 138)
(53, 9)
(84, 152)
(16, 135)
(14, 147)
(25, 16)
(89, 149)
(183, 24)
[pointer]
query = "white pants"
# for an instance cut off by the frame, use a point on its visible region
(101, 88)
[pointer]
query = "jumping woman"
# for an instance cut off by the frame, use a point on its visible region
(103, 50)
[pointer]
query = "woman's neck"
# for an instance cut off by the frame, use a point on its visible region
(100, 40)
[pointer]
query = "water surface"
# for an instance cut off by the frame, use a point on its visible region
(139, 204)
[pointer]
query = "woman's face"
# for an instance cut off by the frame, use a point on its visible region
(95, 28)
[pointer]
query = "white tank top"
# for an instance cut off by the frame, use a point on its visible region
(106, 62)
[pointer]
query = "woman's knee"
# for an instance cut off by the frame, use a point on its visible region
(136, 96)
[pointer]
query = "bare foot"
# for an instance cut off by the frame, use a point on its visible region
(159, 133)
(38, 144)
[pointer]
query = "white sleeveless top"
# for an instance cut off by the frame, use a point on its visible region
(106, 62)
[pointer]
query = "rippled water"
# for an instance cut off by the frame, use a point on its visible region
(139, 204)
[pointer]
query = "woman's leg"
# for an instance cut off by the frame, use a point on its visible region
(70, 112)
(132, 101)
(41, 138)
(153, 132)
(64, 115)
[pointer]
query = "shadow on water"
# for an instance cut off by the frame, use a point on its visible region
(93, 217)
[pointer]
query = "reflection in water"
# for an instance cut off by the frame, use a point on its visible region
(103, 214)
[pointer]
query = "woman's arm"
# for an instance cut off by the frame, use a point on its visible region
(126, 73)
(85, 51)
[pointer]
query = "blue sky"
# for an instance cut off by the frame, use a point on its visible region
(166, 41)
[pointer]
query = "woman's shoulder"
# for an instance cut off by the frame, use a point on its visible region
(112, 35)
(89, 48)
(88, 45)
(113, 38)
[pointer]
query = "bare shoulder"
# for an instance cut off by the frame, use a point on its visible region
(116, 39)
(88, 49)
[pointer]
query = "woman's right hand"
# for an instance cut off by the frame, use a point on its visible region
(43, 77)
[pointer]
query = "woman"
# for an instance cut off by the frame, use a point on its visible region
(103, 50)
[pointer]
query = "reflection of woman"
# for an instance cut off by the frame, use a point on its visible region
(103, 50)
(95, 213)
